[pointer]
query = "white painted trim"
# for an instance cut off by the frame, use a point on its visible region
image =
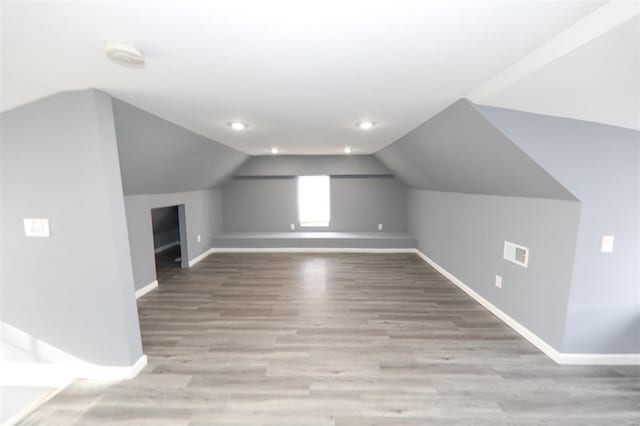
(146, 289)
(200, 257)
(49, 366)
(31, 407)
(558, 357)
(515, 325)
(599, 359)
(166, 247)
(34, 374)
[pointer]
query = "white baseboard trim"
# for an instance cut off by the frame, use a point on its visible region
(33, 362)
(166, 247)
(34, 374)
(200, 257)
(146, 289)
(558, 357)
(515, 325)
(599, 359)
(32, 406)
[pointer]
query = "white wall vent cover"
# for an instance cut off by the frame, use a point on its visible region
(516, 253)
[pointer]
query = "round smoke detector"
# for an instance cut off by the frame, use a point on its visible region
(124, 54)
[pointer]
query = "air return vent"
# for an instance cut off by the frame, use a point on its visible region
(516, 253)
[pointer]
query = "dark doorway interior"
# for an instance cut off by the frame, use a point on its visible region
(166, 241)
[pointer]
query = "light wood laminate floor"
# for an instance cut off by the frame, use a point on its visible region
(337, 339)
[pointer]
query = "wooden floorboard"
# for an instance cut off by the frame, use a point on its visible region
(337, 339)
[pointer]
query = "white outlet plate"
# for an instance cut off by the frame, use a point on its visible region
(199, 239)
(36, 228)
(293, 226)
(606, 246)
(379, 227)
(499, 281)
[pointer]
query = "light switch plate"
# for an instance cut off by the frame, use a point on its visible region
(499, 281)
(606, 246)
(36, 228)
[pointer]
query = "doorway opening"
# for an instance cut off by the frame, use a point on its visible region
(169, 240)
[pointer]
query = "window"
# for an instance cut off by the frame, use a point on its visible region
(313, 200)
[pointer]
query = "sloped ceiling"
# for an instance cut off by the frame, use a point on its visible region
(584, 156)
(157, 156)
(459, 150)
(301, 73)
(599, 81)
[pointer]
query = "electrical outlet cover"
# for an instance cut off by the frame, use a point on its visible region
(36, 228)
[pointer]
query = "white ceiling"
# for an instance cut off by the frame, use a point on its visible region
(300, 73)
(598, 81)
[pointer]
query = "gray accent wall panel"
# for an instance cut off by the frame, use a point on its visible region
(600, 164)
(465, 233)
(159, 157)
(203, 216)
(459, 150)
(297, 165)
(75, 289)
(357, 205)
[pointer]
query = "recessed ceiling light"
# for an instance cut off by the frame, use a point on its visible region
(237, 125)
(365, 125)
(347, 150)
(274, 150)
(124, 54)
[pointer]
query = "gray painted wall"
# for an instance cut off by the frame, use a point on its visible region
(75, 289)
(465, 233)
(601, 165)
(271, 205)
(159, 157)
(458, 150)
(166, 230)
(296, 165)
(203, 216)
